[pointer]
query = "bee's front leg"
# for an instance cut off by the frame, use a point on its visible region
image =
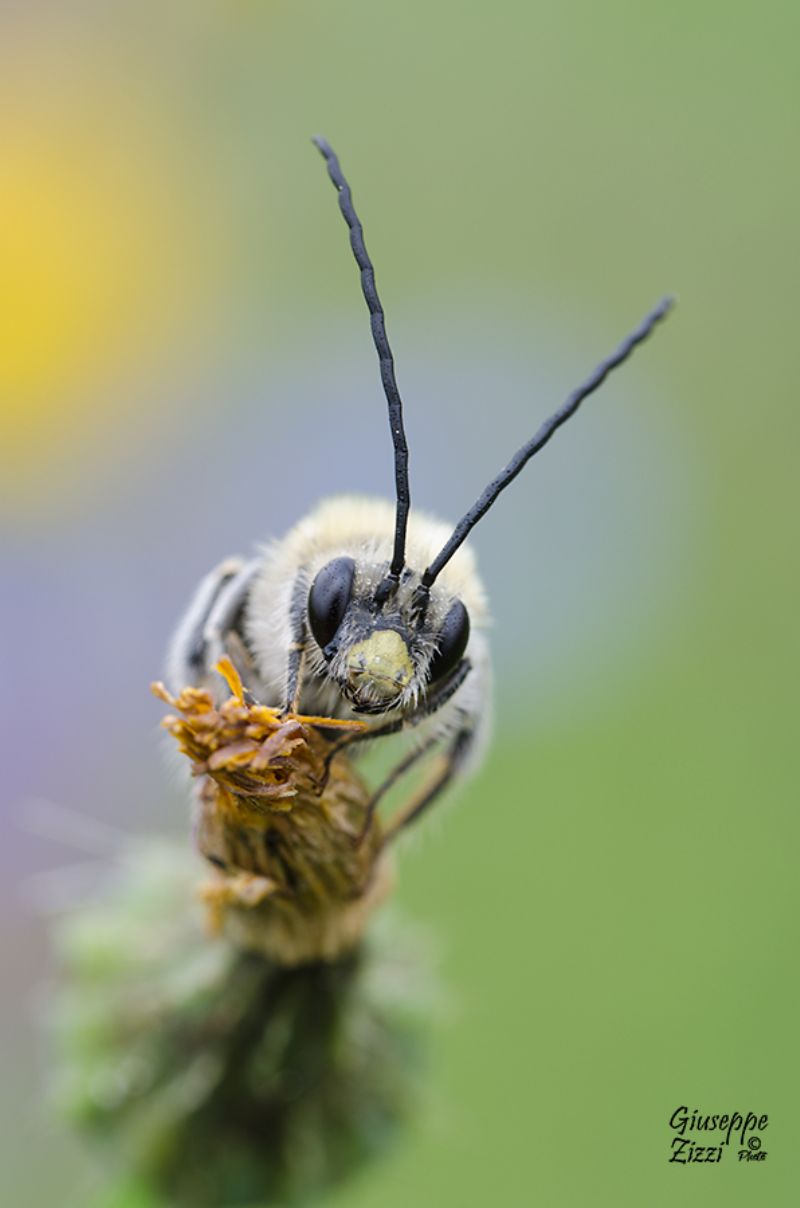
(405, 765)
(446, 767)
(214, 613)
(297, 645)
(227, 615)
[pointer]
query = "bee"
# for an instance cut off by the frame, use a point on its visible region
(366, 610)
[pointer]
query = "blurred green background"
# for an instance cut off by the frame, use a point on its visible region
(185, 367)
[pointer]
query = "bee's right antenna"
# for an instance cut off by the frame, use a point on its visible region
(386, 362)
(537, 442)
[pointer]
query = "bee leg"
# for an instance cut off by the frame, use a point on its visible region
(294, 665)
(226, 615)
(445, 768)
(187, 662)
(400, 770)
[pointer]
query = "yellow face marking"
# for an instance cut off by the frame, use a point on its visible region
(382, 663)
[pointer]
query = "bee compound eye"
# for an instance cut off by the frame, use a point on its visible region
(328, 599)
(453, 638)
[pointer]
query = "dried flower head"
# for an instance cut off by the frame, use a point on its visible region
(297, 854)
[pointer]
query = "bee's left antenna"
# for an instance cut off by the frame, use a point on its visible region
(378, 324)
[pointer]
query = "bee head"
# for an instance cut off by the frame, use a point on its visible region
(381, 649)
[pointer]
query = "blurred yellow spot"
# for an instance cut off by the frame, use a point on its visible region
(102, 264)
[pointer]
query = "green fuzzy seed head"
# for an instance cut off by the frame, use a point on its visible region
(217, 1077)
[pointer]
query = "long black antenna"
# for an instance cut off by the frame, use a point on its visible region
(378, 324)
(523, 455)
